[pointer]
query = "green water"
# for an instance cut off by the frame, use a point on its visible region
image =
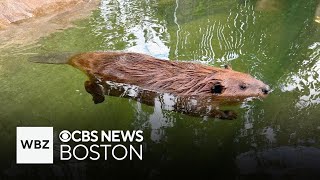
(278, 44)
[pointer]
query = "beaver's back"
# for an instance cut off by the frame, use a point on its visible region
(146, 72)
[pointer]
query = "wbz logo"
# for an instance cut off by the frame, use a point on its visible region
(27, 144)
(34, 145)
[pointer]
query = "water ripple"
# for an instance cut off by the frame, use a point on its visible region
(220, 38)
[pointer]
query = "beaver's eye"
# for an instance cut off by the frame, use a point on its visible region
(243, 87)
(217, 88)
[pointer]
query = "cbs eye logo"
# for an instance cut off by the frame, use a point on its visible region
(65, 136)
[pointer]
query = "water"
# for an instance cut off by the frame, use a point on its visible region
(278, 42)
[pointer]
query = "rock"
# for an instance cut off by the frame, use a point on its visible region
(12, 11)
(24, 22)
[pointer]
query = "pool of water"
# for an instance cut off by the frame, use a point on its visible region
(276, 41)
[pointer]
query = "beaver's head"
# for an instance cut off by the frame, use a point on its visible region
(229, 83)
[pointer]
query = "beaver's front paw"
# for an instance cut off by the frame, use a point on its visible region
(96, 90)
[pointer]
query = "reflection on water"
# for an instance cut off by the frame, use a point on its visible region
(306, 79)
(219, 38)
(159, 120)
(134, 22)
(268, 5)
(162, 103)
(317, 14)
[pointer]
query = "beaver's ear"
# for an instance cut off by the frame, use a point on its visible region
(228, 66)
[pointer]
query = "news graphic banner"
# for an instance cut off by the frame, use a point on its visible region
(35, 145)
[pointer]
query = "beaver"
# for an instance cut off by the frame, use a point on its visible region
(186, 80)
(180, 78)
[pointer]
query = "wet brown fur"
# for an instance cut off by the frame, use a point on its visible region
(176, 77)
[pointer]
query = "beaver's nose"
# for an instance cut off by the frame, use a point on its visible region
(266, 90)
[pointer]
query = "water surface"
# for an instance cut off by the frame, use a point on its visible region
(278, 42)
